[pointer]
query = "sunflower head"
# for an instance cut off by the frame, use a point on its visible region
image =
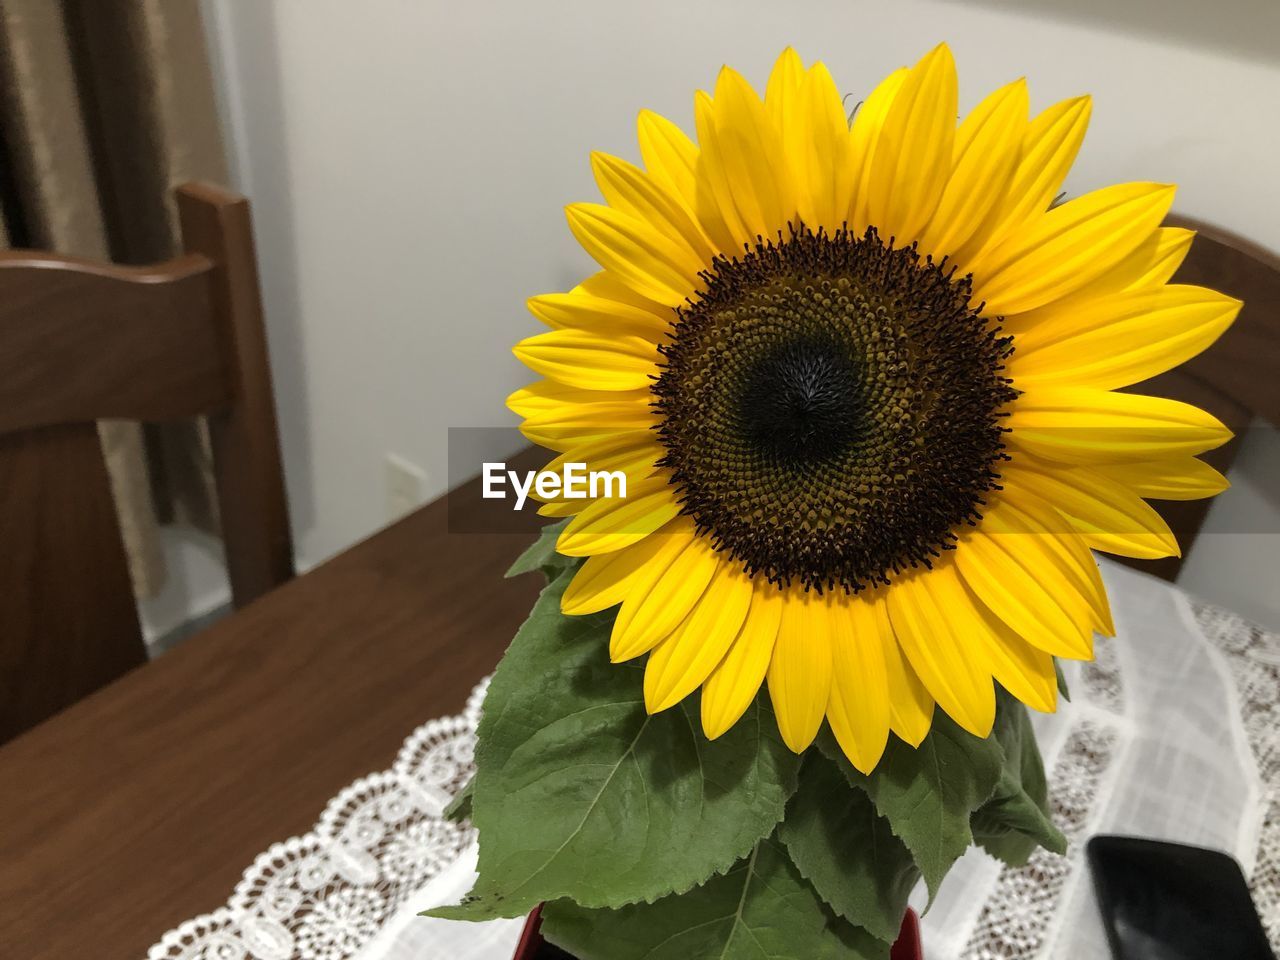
(844, 388)
(862, 379)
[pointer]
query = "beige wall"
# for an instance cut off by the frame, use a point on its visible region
(408, 161)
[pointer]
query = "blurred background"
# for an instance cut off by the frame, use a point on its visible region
(408, 162)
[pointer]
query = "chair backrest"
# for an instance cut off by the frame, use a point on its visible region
(82, 342)
(1238, 378)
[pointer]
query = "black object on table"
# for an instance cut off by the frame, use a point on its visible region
(1167, 901)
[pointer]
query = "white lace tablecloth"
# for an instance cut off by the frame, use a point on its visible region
(1172, 733)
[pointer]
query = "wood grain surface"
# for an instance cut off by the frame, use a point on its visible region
(58, 524)
(139, 807)
(81, 342)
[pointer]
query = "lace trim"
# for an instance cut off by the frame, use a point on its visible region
(1253, 656)
(1015, 921)
(323, 896)
(1103, 686)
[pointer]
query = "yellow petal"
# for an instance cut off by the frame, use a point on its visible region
(561, 426)
(818, 147)
(1120, 339)
(786, 101)
(605, 316)
(1070, 246)
(559, 509)
(1083, 425)
(1024, 510)
(910, 704)
(858, 708)
(1107, 515)
(716, 208)
(637, 454)
(912, 157)
(988, 148)
(936, 643)
(782, 93)
(1152, 264)
(611, 524)
(654, 608)
(735, 682)
(749, 148)
(1048, 150)
(548, 396)
(606, 580)
(1177, 478)
(1024, 670)
(644, 259)
(631, 190)
(800, 671)
(669, 155)
(1013, 573)
(680, 664)
(606, 286)
(590, 361)
(626, 458)
(864, 135)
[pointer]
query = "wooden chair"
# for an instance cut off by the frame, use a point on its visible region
(81, 342)
(1238, 378)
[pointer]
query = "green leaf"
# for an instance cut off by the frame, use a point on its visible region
(459, 807)
(761, 909)
(848, 851)
(1062, 680)
(541, 555)
(928, 793)
(1016, 820)
(580, 794)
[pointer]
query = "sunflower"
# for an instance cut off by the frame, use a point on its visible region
(862, 381)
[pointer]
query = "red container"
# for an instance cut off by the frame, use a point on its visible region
(908, 945)
(533, 947)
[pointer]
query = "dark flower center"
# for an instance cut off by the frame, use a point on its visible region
(802, 401)
(830, 407)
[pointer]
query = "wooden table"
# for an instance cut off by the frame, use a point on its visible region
(139, 807)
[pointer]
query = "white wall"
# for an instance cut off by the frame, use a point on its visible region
(408, 161)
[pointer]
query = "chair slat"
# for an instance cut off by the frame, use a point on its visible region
(81, 341)
(58, 526)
